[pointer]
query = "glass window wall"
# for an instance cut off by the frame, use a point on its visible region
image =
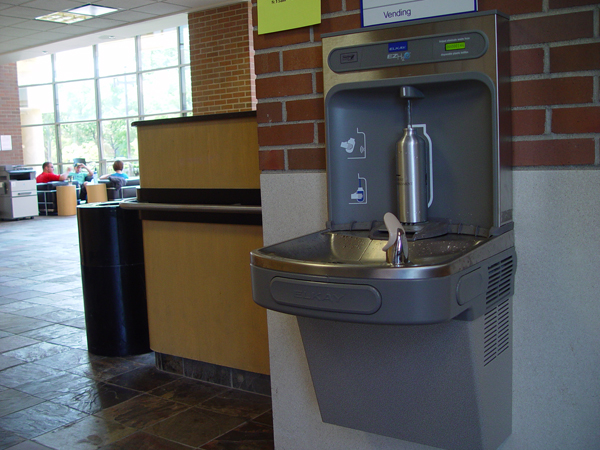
(118, 96)
(159, 49)
(74, 64)
(117, 57)
(79, 140)
(81, 103)
(37, 105)
(161, 91)
(35, 71)
(76, 101)
(39, 144)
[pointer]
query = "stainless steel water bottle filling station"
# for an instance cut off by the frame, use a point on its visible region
(404, 301)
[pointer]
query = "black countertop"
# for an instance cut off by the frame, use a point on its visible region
(189, 119)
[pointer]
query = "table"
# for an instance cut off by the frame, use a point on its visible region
(96, 193)
(66, 200)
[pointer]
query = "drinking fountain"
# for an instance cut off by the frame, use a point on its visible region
(404, 300)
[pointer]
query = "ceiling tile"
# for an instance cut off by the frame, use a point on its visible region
(54, 5)
(68, 31)
(160, 9)
(37, 25)
(16, 32)
(51, 36)
(124, 4)
(8, 21)
(186, 3)
(24, 42)
(12, 45)
(23, 12)
(131, 16)
(100, 24)
(13, 2)
(36, 39)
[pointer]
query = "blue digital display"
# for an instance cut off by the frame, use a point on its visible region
(397, 46)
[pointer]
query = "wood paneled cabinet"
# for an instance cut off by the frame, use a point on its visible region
(198, 284)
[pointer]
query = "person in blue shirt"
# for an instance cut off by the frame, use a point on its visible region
(118, 168)
(80, 176)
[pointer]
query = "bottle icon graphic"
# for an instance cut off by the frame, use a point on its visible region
(360, 196)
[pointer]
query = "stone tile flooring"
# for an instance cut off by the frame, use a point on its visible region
(56, 395)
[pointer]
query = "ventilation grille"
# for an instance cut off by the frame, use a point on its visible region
(500, 280)
(496, 331)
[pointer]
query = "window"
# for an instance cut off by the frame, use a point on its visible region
(37, 105)
(74, 64)
(35, 71)
(161, 91)
(118, 96)
(79, 140)
(114, 138)
(81, 103)
(39, 144)
(76, 101)
(117, 57)
(159, 50)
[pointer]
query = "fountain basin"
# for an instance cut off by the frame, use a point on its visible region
(343, 275)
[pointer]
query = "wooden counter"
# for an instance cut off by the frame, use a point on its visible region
(216, 151)
(198, 284)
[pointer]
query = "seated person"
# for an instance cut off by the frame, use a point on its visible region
(79, 176)
(48, 174)
(118, 168)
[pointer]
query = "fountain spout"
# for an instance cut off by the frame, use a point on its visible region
(397, 246)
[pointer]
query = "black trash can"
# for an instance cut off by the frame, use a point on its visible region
(112, 274)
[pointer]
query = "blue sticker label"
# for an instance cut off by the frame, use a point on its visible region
(397, 46)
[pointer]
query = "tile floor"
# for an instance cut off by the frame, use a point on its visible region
(55, 395)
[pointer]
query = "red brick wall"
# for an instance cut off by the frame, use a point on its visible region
(555, 64)
(221, 60)
(10, 118)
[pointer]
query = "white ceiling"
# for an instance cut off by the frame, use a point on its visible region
(23, 37)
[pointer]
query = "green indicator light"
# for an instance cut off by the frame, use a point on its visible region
(456, 46)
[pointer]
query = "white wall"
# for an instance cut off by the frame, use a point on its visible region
(556, 378)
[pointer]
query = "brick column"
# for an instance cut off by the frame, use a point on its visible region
(10, 118)
(221, 56)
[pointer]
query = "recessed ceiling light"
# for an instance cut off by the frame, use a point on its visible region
(92, 10)
(63, 17)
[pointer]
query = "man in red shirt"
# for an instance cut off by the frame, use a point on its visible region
(49, 175)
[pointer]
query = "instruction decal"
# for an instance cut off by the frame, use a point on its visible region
(356, 147)
(360, 196)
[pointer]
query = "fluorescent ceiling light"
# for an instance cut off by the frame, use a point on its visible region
(92, 10)
(63, 17)
(77, 14)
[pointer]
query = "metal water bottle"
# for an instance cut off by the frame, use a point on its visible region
(411, 175)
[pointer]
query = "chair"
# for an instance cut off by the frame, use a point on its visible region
(47, 198)
(128, 190)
